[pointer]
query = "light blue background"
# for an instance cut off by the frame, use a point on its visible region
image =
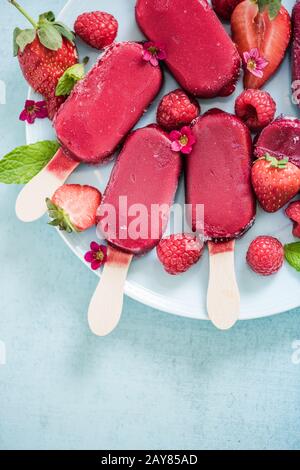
(158, 381)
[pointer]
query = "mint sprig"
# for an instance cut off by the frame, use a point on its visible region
(23, 163)
(292, 254)
(69, 79)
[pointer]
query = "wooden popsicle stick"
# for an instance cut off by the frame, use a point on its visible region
(107, 302)
(30, 204)
(223, 297)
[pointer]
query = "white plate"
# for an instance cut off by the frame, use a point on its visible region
(147, 282)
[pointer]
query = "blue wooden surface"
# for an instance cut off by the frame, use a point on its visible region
(158, 381)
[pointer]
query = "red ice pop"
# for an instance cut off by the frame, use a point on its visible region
(281, 139)
(296, 49)
(218, 176)
(133, 215)
(105, 106)
(146, 173)
(94, 120)
(200, 54)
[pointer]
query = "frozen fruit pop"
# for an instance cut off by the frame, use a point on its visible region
(93, 121)
(146, 174)
(281, 139)
(105, 105)
(218, 176)
(296, 46)
(200, 54)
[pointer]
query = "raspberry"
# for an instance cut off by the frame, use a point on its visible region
(179, 252)
(98, 29)
(177, 109)
(224, 8)
(293, 212)
(256, 108)
(265, 255)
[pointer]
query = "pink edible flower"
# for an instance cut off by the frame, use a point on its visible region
(183, 140)
(34, 110)
(153, 52)
(254, 62)
(97, 256)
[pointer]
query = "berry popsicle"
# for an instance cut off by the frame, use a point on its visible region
(295, 55)
(144, 178)
(200, 54)
(281, 139)
(218, 176)
(94, 120)
(106, 105)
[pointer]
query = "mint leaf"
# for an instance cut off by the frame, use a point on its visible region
(50, 37)
(25, 37)
(68, 80)
(23, 163)
(292, 254)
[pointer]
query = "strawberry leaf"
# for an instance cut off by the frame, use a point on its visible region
(273, 7)
(275, 162)
(23, 163)
(60, 218)
(292, 254)
(25, 37)
(17, 31)
(69, 79)
(48, 16)
(50, 37)
(64, 31)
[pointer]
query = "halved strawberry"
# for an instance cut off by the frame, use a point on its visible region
(264, 26)
(73, 207)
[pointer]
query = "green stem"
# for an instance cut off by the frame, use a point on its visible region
(21, 9)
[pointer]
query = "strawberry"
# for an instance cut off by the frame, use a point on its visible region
(97, 28)
(45, 52)
(179, 252)
(293, 213)
(177, 109)
(275, 182)
(265, 255)
(265, 27)
(73, 207)
(224, 8)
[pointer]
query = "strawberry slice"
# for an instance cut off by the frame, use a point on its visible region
(264, 27)
(73, 207)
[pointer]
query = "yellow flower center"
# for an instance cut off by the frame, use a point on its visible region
(183, 140)
(251, 64)
(99, 255)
